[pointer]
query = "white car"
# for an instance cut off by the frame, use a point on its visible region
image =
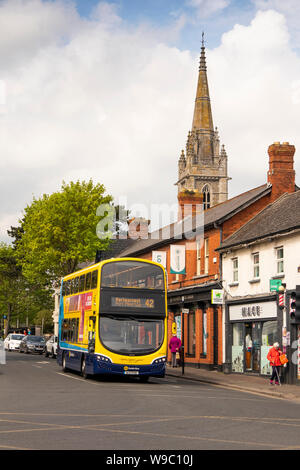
(51, 347)
(12, 341)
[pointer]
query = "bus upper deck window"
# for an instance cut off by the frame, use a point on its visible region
(76, 285)
(88, 281)
(81, 283)
(94, 279)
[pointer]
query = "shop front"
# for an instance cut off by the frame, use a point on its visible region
(198, 323)
(252, 328)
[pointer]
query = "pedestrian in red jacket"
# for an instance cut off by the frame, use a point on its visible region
(174, 345)
(274, 358)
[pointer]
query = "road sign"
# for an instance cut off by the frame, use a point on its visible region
(275, 284)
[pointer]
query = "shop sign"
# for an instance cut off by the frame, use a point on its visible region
(217, 296)
(275, 284)
(255, 311)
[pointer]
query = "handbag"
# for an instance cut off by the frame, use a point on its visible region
(283, 359)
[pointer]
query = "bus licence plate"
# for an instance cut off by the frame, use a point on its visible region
(131, 372)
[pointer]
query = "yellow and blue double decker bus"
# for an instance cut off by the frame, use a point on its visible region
(113, 319)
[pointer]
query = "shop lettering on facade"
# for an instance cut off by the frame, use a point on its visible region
(251, 311)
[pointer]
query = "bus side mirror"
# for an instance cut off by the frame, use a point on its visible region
(91, 346)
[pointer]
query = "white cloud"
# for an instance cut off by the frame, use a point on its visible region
(96, 98)
(287, 6)
(92, 100)
(205, 8)
(290, 9)
(254, 76)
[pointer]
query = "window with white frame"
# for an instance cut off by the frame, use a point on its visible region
(255, 263)
(235, 269)
(279, 260)
(206, 255)
(198, 258)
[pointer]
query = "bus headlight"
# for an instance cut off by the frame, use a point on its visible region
(160, 360)
(104, 359)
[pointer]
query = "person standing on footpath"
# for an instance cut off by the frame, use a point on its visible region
(274, 358)
(174, 345)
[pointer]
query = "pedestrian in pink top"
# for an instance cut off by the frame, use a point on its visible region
(174, 345)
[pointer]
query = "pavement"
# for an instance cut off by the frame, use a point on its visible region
(244, 382)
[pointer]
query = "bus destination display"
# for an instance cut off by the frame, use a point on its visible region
(136, 302)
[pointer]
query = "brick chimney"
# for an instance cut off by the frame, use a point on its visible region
(189, 203)
(281, 172)
(138, 228)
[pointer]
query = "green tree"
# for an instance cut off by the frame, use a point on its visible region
(10, 283)
(58, 231)
(44, 319)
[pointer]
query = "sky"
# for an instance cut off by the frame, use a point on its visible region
(106, 89)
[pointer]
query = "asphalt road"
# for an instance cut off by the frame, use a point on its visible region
(43, 408)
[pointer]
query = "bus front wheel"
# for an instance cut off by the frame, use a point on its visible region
(144, 378)
(84, 373)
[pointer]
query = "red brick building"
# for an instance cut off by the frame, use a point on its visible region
(202, 186)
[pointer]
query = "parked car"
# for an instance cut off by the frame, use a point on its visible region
(12, 341)
(51, 347)
(32, 344)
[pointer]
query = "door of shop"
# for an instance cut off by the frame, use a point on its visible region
(252, 346)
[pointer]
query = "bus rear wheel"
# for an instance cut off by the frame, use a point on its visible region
(64, 368)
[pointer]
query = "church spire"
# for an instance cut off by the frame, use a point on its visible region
(202, 168)
(202, 112)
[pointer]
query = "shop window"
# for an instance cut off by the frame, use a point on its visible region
(191, 334)
(269, 336)
(237, 347)
(204, 335)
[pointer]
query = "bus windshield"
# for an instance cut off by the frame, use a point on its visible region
(131, 336)
(132, 274)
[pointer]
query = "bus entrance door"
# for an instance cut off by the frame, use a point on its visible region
(92, 330)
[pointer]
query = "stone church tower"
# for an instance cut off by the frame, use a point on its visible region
(203, 166)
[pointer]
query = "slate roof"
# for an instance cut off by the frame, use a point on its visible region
(281, 216)
(212, 216)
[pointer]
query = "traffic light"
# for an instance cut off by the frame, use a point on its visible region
(295, 305)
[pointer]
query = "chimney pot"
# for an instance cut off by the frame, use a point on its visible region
(281, 172)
